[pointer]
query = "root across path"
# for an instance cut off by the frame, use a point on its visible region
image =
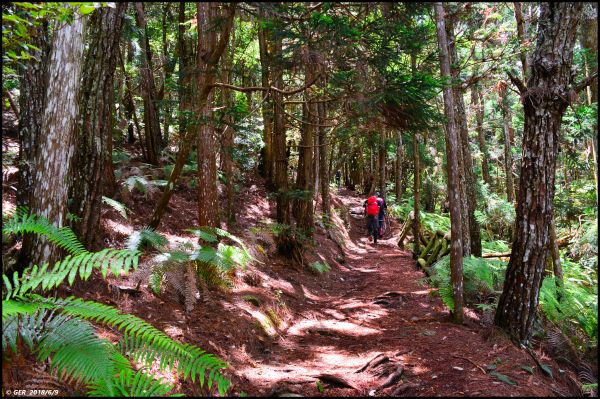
(373, 328)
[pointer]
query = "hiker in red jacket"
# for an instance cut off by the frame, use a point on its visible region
(371, 206)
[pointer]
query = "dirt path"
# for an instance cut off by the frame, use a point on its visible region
(377, 305)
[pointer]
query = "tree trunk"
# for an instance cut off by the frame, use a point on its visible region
(303, 206)
(264, 39)
(398, 174)
(53, 159)
(589, 40)
(555, 256)
(521, 36)
(382, 160)
(33, 86)
(550, 81)
(228, 140)
(452, 147)
(279, 142)
(152, 136)
(208, 198)
(416, 195)
(470, 228)
(323, 167)
(204, 87)
(478, 104)
(93, 158)
(508, 161)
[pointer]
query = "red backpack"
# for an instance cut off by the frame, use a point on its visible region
(372, 206)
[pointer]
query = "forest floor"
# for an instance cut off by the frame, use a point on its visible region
(369, 327)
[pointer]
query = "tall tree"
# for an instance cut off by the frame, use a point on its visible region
(280, 157)
(452, 146)
(470, 226)
(398, 166)
(152, 136)
(208, 196)
(303, 204)
(506, 127)
(204, 86)
(53, 158)
(266, 54)
(93, 158)
(479, 106)
(33, 85)
(545, 99)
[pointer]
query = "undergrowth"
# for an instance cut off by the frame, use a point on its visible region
(62, 331)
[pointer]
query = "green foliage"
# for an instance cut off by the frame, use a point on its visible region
(214, 264)
(320, 267)
(61, 329)
(142, 184)
(498, 216)
(574, 307)
(481, 278)
(132, 384)
(116, 205)
(146, 237)
(22, 222)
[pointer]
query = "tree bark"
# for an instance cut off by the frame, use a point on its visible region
(264, 41)
(152, 136)
(470, 226)
(382, 160)
(589, 40)
(303, 206)
(508, 161)
(53, 160)
(478, 104)
(544, 103)
(522, 39)
(323, 161)
(452, 146)
(202, 91)
(33, 86)
(279, 142)
(398, 174)
(416, 195)
(93, 158)
(228, 140)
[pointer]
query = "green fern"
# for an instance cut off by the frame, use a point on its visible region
(132, 385)
(320, 267)
(146, 237)
(60, 329)
(22, 222)
(116, 205)
(76, 352)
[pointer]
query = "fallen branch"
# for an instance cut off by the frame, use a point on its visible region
(472, 362)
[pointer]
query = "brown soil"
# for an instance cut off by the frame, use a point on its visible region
(372, 302)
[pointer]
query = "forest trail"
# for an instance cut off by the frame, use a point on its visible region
(376, 307)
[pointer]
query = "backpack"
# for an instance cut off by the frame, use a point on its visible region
(372, 206)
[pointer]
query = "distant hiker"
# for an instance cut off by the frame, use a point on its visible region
(382, 208)
(372, 211)
(338, 177)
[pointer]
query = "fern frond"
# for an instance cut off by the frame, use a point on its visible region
(73, 347)
(144, 342)
(146, 236)
(118, 261)
(133, 384)
(116, 205)
(22, 222)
